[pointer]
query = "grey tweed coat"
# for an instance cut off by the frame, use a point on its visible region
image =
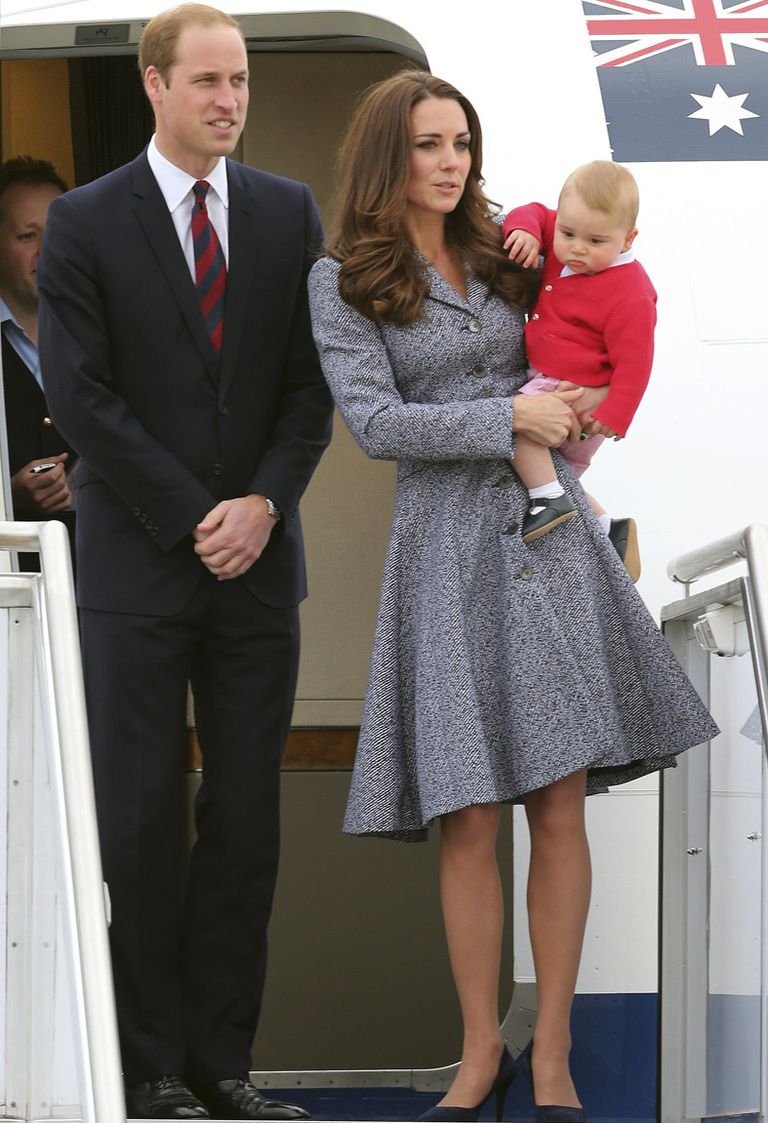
(497, 667)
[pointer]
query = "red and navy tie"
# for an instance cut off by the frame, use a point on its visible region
(210, 266)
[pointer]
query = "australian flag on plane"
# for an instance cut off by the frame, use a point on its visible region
(682, 80)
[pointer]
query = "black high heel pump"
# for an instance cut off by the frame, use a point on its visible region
(504, 1077)
(549, 1113)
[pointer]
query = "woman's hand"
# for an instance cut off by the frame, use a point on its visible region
(592, 397)
(548, 419)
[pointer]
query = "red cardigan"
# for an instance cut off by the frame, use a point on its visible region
(593, 329)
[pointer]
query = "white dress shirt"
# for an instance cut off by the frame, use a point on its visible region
(176, 186)
(21, 343)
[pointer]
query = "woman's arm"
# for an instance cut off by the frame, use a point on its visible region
(358, 369)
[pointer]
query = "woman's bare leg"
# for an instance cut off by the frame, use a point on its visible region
(559, 884)
(473, 913)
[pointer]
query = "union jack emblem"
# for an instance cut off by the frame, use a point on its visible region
(647, 28)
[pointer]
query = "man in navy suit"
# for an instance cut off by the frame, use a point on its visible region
(178, 360)
(39, 458)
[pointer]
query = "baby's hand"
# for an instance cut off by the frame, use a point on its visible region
(597, 429)
(523, 248)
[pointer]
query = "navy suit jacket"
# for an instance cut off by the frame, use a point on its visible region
(164, 430)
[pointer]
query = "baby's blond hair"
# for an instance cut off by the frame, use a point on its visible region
(606, 187)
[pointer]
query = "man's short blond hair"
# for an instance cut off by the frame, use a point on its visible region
(160, 37)
(606, 187)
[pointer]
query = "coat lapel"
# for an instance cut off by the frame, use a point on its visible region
(443, 293)
(243, 263)
(157, 224)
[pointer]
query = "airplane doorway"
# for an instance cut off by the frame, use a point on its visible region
(359, 976)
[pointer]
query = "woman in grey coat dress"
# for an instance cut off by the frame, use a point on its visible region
(500, 672)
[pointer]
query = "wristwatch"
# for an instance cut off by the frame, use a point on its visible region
(273, 509)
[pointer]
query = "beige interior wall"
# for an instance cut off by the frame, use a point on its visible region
(35, 100)
(300, 104)
(358, 968)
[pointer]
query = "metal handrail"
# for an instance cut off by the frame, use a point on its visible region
(750, 545)
(74, 765)
(706, 559)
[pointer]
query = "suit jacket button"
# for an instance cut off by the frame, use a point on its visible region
(526, 572)
(218, 470)
(473, 324)
(47, 422)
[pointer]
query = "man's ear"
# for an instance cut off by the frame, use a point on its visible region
(154, 84)
(629, 239)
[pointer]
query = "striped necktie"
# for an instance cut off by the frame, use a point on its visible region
(210, 267)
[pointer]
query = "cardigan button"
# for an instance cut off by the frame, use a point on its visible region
(526, 572)
(505, 482)
(474, 325)
(547, 288)
(535, 316)
(478, 370)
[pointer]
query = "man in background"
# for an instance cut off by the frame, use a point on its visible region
(39, 457)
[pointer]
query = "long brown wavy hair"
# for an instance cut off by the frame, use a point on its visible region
(381, 275)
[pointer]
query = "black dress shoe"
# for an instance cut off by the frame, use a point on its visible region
(238, 1099)
(623, 534)
(551, 513)
(167, 1097)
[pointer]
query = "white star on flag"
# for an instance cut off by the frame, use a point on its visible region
(722, 111)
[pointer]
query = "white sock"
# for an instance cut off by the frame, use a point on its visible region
(605, 523)
(551, 490)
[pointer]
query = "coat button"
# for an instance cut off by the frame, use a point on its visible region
(526, 572)
(478, 370)
(473, 324)
(547, 288)
(47, 422)
(218, 470)
(223, 410)
(535, 316)
(505, 481)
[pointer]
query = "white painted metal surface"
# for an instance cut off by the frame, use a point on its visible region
(715, 858)
(56, 928)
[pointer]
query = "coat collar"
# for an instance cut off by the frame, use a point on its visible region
(444, 293)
